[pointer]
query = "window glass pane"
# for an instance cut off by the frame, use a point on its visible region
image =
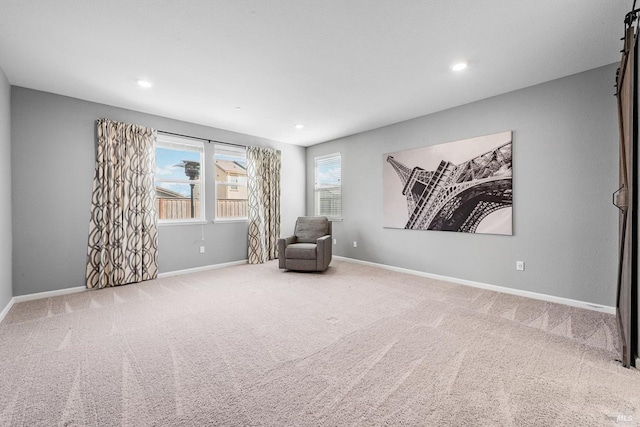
(231, 182)
(328, 185)
(170, 164)
(178, 201)
(180, 191)
(328, 172)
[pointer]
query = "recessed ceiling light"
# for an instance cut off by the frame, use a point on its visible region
(144, 83)
(459, 66)
(299, 126)
(237, 108)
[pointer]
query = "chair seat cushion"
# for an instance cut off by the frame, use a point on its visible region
(300, 251)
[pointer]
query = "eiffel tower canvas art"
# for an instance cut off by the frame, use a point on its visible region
(463, 186)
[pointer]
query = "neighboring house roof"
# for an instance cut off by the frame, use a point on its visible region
(231, 167)
(167, 194)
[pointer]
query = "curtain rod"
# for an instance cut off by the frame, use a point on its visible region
(631, 16)
(201, 139)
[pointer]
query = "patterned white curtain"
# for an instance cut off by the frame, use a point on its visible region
(263, 174)
(123, 234)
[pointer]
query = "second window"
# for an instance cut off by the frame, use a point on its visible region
(231, 182)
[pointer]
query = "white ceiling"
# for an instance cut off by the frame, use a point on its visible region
(338, 66)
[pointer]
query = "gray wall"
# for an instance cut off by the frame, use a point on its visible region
(565, 169)
(53, 153)
(5, 192)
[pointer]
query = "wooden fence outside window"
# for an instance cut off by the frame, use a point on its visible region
(180, 208)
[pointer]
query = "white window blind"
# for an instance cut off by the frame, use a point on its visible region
(328, 185)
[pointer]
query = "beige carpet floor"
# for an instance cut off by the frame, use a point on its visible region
(356, 346)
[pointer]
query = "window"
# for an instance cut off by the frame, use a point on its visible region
(328, 186)
(231, 182)
(179, 183)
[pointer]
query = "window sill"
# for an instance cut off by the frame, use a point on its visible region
(224, 220)
(335, 219)
(194, 222)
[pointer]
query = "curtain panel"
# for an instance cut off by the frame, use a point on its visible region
(123, 233)
(263, 174)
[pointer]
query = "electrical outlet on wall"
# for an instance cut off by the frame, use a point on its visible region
(355, 244)
(335, 241)
(520, 265)
(201, 249)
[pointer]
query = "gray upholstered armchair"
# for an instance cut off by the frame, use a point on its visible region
(309, 249)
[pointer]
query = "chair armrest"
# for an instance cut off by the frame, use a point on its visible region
(324, 238)
(323, 252)
(283, 242)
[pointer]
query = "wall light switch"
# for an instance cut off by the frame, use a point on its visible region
(201, 249)
(335, 241)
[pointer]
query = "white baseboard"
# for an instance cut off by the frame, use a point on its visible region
(518, 292)
(495, 288)
(198, 269)
(48, 294)
(39, 295)
(4, 312)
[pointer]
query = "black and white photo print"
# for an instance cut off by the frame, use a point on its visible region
(463, 186)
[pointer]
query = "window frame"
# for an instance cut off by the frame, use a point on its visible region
(316, 186)
(178, 143)
(217, 147)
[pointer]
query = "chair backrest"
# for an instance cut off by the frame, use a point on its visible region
(310, 228)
